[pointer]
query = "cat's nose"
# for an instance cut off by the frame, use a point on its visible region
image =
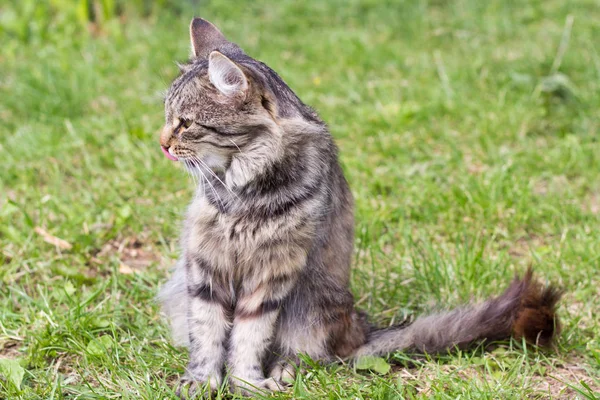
(165, 136)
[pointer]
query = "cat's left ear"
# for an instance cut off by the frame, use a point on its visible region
(205, 37)
(226, 76)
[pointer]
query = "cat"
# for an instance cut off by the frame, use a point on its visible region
(267, 243)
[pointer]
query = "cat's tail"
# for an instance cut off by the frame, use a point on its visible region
(526, 309)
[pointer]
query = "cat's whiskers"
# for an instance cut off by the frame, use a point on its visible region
(219, 179)
(238, 147)
(192, 170)
(188, 170)
(199, 169)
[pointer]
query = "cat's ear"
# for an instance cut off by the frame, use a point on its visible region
(205, 37)
(226, 76)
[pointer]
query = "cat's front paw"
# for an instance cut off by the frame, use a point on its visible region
(250, 387)
(284, 372)
(194, 388)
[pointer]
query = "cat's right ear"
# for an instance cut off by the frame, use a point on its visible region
(226, 76)
(205, 37)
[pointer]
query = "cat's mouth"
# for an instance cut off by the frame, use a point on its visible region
(168, 154)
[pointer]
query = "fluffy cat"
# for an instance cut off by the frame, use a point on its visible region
(268, 239)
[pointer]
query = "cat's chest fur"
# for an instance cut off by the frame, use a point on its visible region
(243, 245)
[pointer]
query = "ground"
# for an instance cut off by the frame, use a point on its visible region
(468, 132)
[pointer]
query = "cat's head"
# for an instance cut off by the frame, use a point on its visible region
(225, 110)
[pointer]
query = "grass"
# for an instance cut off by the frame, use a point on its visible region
(468, 131)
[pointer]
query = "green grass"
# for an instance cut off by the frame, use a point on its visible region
(468, 131)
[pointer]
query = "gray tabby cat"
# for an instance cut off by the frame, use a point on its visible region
(267, 244)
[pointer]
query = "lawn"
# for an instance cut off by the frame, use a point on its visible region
(468, 131)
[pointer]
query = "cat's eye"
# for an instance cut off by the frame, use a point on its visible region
(186, 123)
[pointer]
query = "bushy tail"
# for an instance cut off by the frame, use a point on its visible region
(525, 310)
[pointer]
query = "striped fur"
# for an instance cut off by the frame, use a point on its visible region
(268, 238)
